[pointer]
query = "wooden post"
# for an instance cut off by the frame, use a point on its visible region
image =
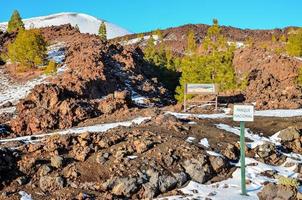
(216, 102)
(185, 98)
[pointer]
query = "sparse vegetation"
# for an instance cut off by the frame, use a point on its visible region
(15, 23)
(249, 41)
(294, 43)
(103, 32)
(288, 181)
(28, 50)
(299, 77)
(51, 67)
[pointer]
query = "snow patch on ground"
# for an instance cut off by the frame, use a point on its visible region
(78, 130)
(190, 139)
(204, 142)
(279, 113)
(225, 114)
(12, 92)
(257, 139)
(237, 44)
(25, 196)
(56, 52)
(140, 40)
(86, 23)
(231, 188)
(201, 116)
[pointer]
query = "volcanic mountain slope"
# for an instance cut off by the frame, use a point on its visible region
(271, 76)
(176, 37)
(101, 79)
(86, 23)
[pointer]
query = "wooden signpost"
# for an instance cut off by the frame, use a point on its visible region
(203, 89)
(243, 113)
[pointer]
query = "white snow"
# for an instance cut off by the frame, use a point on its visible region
(86, 23)
(204, 142)
(213, 153)
(132, 157)
(140, 39)
(137, 98)
(25, 196)
(237, 44)
(225, 114)
(257, 139)
(230, 188)
(12, 92)
(279, 113)
(201, 116)
(78, 130)
(56, 52)
(190, 139)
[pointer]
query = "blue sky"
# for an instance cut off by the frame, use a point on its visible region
(145, 15)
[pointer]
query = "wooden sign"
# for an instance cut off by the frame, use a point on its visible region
(193, 88)
(203, 89)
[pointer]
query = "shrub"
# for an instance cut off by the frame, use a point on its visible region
(51, 67)
(29, 49)
(294, 43)
(288, 181)
(299, 77)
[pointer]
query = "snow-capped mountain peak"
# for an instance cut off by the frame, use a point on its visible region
(86, 23)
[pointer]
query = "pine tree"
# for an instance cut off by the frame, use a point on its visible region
(214, 66)
(103, 32)
(15, 23)
(283, 38)
(29, 49)
(274, 39)
(294, 43)
(159, 34)
(191, 43)
(77, 27)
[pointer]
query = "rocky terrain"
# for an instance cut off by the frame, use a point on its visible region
(271, 76)
(146, 161)
(104, 127)
(101, 79)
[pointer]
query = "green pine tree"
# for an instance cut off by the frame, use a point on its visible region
(159, 35)
(28, 50)
(294, 43)
(77, 27)
(15, 23)
(191, 43)
(213, 66)
(103, 32)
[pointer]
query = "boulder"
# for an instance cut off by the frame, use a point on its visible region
(198, 169)
(289, 134)
(48, 183)
(275, 191)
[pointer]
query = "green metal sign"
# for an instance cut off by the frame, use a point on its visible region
(243, 113)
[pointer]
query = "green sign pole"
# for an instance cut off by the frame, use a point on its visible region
(242, 158)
